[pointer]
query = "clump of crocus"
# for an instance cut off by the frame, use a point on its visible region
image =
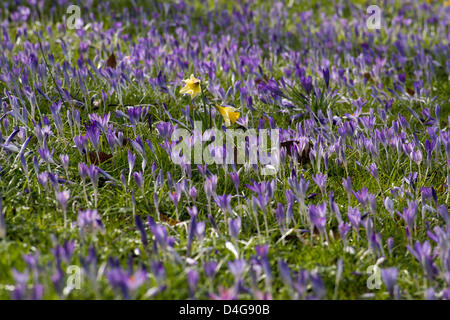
(126, 281)
(89, 222)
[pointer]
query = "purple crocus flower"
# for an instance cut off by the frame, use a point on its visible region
(92, 172)
(45, 154)
(65, 161)
(234, 227)
(326, 76)
(262, 252)
(175, 196)
(125, 281)
(300, 282)
(389, 277)
(334, 206)
(210, 269)
(200, 228)
(390, 244)
(321, 181)
(193, 193)
(159, 271)
(138, 178)
(235, 179)
(362, 196)
(236, 268)
(318, 215)
(93, 133)
(160, 233)
(140, 226)
(224, 202)
(307, 84)
(372, 168)
(416, 156)
(89, 221)
(389, 205)
(318, 286)
(134, 114)
(21, 280)
(280, 215)
(192, 278)
(62, 198)
(43, 179)
(299, 187)
(347, 183)
(354, 216)
(344, 228)
(82, 169)
(55, 110)
(423, 254)
(285, 272)
(409, 216)
(165, 130)
(443, 211)
(210, 186)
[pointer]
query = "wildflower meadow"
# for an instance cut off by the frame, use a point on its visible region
(224, 150)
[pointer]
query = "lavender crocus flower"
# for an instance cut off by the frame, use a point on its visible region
(362, 196)
(21, 280)
(62, 198)
(317, 285)
(224, 202)
(210, 269)
(93, 133)
(192, 278)
(138, 178)
(423, 254)
(389, 277)
(141, 228)
(165, 130)
(234, 227)
(344, 228)
(372, 168)
(210, 186)
(409, 216)
(81, 143)
(89, 221)
(236, 268)
(299, 187)
(285, 272)
(160, 233)
(92, 172)
(321, 181)
(318, 216)
(354, 216)
(193, 193)
(235, 179)
(280, 215)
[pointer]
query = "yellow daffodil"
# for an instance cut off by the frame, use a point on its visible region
(191, 87)
(229, 114)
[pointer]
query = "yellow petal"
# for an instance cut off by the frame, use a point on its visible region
(192, 87)
(229, 115)
(234, 116)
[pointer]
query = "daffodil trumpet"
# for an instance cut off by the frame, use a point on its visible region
(191, 87)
